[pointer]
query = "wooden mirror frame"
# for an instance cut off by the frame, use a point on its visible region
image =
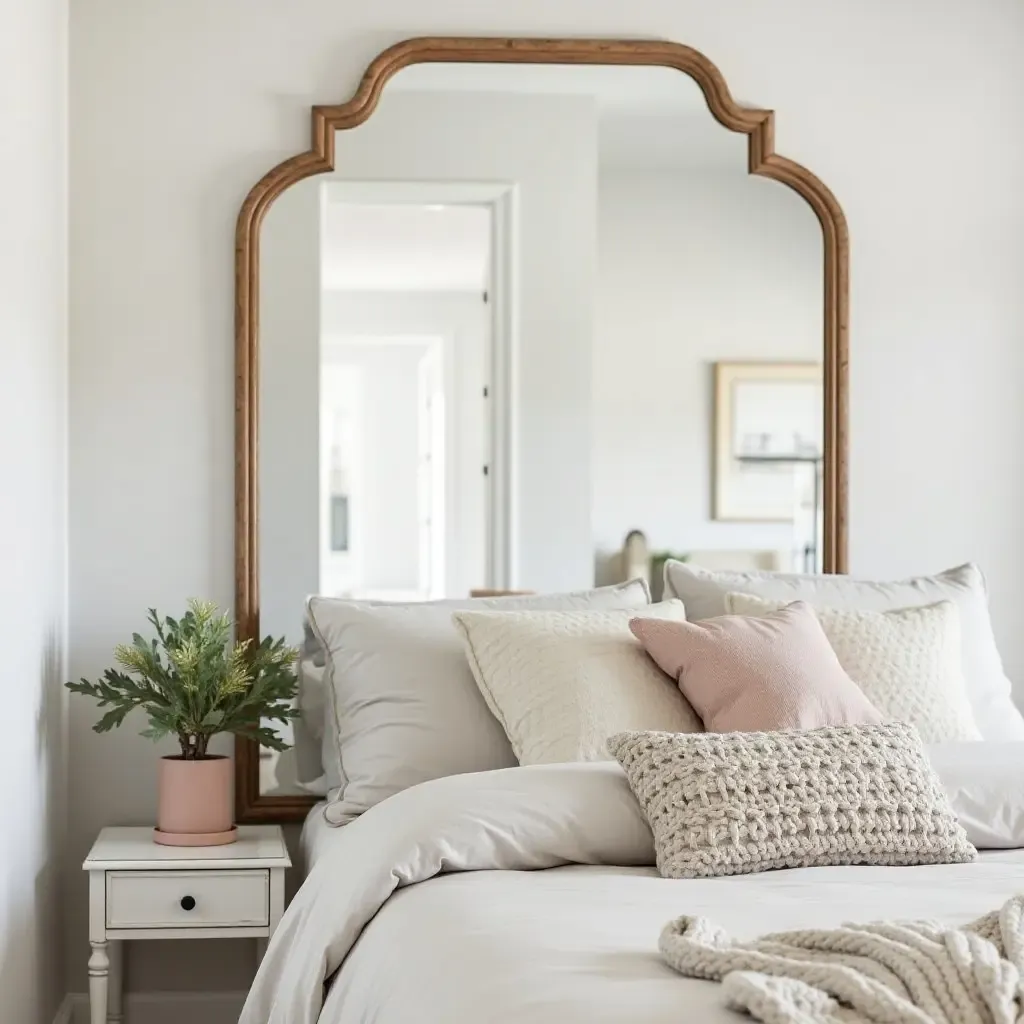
(757, 125)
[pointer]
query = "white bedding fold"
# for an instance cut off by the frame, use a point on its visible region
(985, 786)
(577, 943)
(515, 819)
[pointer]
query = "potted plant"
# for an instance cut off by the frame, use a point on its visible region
(194, 682)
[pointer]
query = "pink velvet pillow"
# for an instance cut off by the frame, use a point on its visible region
(757, 674)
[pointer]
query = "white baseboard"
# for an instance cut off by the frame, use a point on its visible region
(161, 1008)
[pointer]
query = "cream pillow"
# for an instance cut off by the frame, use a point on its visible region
(907, 661)
(561, 682)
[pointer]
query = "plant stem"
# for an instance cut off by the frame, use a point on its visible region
(193, 745)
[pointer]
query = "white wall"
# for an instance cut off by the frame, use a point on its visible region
(693, 267)
(33, 520)
(905, 110)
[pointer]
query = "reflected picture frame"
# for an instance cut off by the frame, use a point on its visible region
(764, 431)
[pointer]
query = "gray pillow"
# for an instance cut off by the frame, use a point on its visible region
(402, 706)
(736, 803)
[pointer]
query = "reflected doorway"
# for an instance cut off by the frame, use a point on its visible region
(404, 421)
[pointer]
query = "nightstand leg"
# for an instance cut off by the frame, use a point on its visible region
(115, 985)
(261, 948)
(99, 965)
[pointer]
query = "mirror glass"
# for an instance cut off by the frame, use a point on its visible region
(539, 330)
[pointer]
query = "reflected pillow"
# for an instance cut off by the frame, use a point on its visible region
(309, 732)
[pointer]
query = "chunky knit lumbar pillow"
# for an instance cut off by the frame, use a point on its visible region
(735, 803)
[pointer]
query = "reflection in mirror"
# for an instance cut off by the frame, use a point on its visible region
(538, 330)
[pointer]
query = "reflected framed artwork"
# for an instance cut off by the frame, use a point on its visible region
(767, 452)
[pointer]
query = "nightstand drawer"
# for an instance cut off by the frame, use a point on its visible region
(184, 899)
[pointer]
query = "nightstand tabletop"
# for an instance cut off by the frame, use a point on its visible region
(133, 849)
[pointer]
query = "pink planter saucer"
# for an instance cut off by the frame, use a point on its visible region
(196, 838)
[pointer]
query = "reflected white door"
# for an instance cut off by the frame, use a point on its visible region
(431, 472)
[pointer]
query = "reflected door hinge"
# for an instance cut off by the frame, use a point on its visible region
(487, 297)
(487, 470)
(486, 391)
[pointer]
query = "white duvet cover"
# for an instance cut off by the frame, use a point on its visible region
(430, 908)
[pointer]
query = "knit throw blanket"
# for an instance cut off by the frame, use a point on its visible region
(918, 972)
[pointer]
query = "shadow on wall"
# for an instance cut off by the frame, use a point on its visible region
(51, 759)
(608, 568)
(31, 961)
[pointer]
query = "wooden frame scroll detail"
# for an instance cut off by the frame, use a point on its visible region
(757, 125)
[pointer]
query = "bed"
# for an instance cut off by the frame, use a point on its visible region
(437, 891)
(530, 895)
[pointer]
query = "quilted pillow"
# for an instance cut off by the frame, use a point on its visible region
(736, 803)
(907, 662)
(560, 682)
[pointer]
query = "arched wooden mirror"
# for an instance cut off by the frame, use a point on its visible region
(520, 298)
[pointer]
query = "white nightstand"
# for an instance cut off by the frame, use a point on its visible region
(139, 890)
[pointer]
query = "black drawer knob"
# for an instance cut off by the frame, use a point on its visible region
(188, 903)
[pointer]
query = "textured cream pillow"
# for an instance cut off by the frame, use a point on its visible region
(561, 682)
(738, 802)
(906, 661)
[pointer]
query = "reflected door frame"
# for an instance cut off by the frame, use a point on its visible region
(501, 198)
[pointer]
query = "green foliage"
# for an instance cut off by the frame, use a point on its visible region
(193, 681)
(664, 556)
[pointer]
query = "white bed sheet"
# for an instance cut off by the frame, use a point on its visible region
(529, 895)
(580, 943)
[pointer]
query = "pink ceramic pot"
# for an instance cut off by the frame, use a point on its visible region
(196, 802)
